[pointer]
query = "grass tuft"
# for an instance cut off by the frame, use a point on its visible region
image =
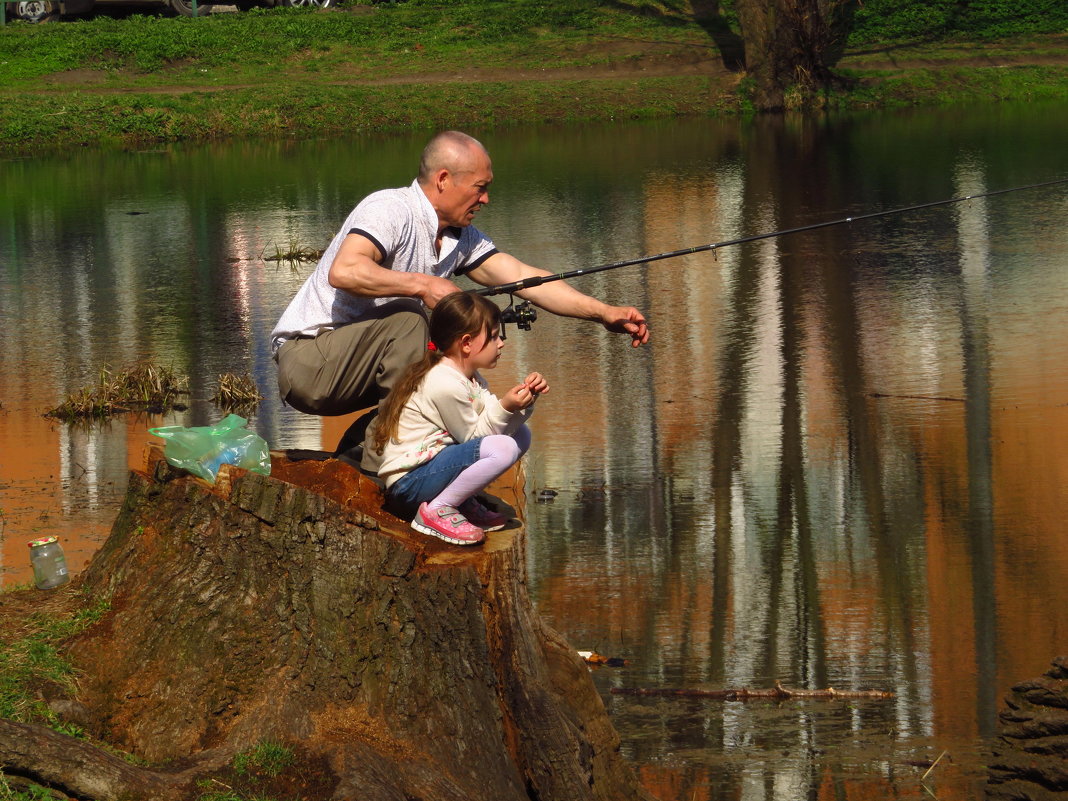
(236, 392)
(268, 758)
(26, 791)
(143, 386)
(295, 255)
(265, 761)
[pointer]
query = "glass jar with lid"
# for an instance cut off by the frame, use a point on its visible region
(49, 563)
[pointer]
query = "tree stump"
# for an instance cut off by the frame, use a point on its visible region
(291, 608)
(1030, 758)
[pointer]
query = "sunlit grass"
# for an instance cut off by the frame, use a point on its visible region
(264, 761)
(959, 85)
(30, 657)
(413, 35)
(291, 72)
(283, 111)
(28, 792)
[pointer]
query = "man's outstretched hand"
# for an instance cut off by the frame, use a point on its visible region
(627, 320)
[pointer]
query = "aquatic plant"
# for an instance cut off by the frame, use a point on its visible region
(236, 392)
(145, 386)
(150, 384)
(295, 255)
(148, 387)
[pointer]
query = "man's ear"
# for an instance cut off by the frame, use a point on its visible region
(441, 179)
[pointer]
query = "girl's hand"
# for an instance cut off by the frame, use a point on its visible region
(518, 397)
(523, 395)
(536, 383)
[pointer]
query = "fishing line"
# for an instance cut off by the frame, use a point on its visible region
(538, 280)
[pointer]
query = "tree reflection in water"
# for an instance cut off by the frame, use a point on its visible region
(836, 465)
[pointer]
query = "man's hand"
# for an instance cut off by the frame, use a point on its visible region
(560, 298)
(626, 320)
(435, 289)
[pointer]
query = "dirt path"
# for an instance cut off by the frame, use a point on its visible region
(699, 64)
(619, 59)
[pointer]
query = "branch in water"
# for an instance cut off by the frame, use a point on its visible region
(744, 693)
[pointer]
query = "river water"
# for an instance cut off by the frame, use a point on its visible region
(840, 462)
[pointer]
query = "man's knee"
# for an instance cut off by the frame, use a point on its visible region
(407, 335)
(408, 329)
(351, 367)
(296, 372)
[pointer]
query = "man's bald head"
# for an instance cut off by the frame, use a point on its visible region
(453, 151)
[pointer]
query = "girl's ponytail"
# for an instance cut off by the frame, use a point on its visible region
(409, 381)
(455, 315)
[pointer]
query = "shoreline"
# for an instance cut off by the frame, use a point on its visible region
(134, 102)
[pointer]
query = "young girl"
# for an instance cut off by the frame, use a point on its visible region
(441, 435)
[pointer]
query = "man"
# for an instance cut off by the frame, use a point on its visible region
(359, 319)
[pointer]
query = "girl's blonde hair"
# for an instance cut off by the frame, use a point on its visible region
(457, 314)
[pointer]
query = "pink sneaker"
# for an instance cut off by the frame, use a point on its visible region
(482, 516)
(448, 524)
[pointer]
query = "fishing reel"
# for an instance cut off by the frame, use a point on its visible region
(522, 315)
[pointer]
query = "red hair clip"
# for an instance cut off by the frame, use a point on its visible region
(431, 346)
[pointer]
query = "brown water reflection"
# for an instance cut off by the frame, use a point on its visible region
(839, 463)
(842, 434)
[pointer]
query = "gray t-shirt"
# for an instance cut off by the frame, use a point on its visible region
(403, 225)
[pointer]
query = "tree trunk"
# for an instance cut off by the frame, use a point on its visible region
(290, 608)
(791, 46)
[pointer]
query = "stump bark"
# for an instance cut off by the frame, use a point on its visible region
(291, 608)
(1030, 758)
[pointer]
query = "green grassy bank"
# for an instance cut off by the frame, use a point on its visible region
(291, 73)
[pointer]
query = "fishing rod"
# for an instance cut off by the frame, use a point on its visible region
(524, 314)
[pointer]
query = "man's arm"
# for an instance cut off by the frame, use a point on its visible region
(357, 269)
(560, 298)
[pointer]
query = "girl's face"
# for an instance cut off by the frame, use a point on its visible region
(485, 349)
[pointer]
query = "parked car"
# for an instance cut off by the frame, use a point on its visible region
(48, 10)
(34, 10)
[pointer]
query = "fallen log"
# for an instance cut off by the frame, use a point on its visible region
(778, 692)
(290, 608)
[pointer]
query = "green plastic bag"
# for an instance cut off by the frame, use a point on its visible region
(203, 449)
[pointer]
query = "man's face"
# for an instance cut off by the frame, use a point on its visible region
(466, 190)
